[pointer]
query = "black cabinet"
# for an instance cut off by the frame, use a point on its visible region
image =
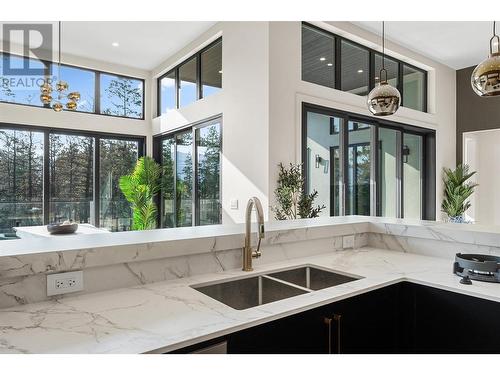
(401, 318)
(362, 324)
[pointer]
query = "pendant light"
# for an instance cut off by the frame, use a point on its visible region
(384, 99)
(61, 88)
(485, 79)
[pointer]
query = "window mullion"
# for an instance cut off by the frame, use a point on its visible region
(97, 93)
(46, 177)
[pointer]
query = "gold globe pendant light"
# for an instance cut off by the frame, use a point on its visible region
(384, 99)
(485, 79)
(61, 88)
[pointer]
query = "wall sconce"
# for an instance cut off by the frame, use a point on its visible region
(318, 160)
(406, 153)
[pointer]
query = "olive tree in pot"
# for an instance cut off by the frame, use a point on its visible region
(291, 200)
(140, 189)
(457, 191)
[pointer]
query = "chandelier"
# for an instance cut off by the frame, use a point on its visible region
(61, 90)
(384, 99)
(485, 78)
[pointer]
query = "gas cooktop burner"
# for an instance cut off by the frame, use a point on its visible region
(477, 267)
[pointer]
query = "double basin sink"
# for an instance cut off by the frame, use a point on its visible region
(252, 291)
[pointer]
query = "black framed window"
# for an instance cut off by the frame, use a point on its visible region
(101, 93)
(318, 57)
(195, 78)
(354, 68)
(191, 159)
(121, 96)
(50, 175)
(414, 88)
(21, 178)
(211, 70)
(369, 166)
(336, 62)
(188, 82)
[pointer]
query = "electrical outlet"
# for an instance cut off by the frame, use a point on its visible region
(65, 282)
(234, 204)
(348, 242)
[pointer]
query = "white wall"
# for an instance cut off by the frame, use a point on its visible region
(243, 101)
(287, 92)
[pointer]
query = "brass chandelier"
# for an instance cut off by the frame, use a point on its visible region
(384, 99)
(61, 89)
(485, 79)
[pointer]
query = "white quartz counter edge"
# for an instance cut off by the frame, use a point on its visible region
(28, 257)
(168, 315)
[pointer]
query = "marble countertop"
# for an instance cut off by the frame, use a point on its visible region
(168, 315)
(39, 231)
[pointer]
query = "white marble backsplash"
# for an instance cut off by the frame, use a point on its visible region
(115, 260)
(31, 287)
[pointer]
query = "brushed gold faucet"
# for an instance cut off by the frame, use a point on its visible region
(248, 252)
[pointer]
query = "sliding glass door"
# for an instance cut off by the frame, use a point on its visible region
(364, 166)
(191, 160)
(52, 175)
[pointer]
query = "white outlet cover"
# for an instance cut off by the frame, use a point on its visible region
(348, 242)
(65, 282)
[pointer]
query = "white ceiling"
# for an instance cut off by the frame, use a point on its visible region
(142, 45)
(458, 44)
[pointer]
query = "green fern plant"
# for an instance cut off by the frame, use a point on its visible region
(291, 200)
(457, 190)
(140, 188)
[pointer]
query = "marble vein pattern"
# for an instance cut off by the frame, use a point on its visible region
(163, 316)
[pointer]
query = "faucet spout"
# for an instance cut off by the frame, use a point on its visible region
(248, 252)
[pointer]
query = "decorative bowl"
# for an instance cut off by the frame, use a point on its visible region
(62, 228)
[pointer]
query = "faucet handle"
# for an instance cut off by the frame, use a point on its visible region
(256, 254)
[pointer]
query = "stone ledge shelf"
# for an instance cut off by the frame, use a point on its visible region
(34, 256)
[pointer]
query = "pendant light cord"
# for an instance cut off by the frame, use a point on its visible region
(59, 65)
(383, 45)
(494, 28)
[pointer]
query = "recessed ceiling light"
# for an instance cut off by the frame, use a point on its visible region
(360, 71)
(322, 58)
(115, 44)
(329, 64)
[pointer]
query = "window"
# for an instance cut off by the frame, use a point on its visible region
(359, 170)
(412, 169)
(187, 83)
(18, 88)
(414, 84)
(362, 166)
(21, 178)
(71, 178)
(80, 80)
(192, 164)
(184, 179)
(211, 70)
(354, 69)
(83, 170)
(168, 92)
(121, 96)
(336, 62)
(389, 175)
(208, 149)
(197, 77)
(117, 157)
(318, 57)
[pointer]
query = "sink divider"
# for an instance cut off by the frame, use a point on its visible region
(284, 283)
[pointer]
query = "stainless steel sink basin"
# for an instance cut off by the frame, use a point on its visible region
(273, 286)
(249, 292)
(312, 277)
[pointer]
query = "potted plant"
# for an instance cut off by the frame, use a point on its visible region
(457, 190)
(140, 189)
(291, 200)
